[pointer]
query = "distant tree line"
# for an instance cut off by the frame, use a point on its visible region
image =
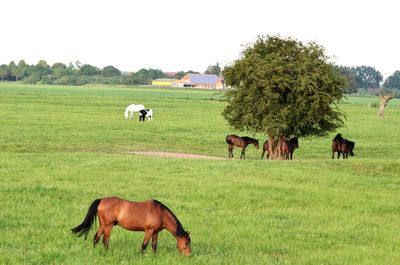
(78, 74)
(366, 79)
(360, 79)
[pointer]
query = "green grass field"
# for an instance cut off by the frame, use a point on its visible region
(63, 147)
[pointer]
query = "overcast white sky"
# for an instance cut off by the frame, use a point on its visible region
(174, 35)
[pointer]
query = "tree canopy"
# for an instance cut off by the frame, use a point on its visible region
(351, 85)
(393, 81)
(367, 77)
(213, 69)
(110, 71)
(282, 87)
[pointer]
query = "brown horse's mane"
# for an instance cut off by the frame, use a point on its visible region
(180, 232)
(248, 139)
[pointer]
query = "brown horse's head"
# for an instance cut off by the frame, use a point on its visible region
(183, 244)
(256, 144)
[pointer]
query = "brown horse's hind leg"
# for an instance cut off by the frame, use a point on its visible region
(98, 235)
(243, 153)
(106, 236)
(154, 239)
(147, 235)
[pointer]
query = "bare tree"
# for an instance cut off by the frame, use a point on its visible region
(384, 101)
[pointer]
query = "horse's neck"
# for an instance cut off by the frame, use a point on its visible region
(171, 223)
(248, 141)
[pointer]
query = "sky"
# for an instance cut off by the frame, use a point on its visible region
(182, 35)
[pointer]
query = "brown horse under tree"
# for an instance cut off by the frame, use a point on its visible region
(342, 146)
(149, 216)
(286, 148)
(234, 140)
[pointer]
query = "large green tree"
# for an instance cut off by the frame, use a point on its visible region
(283, 88)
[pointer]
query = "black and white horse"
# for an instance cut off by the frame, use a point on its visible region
(146, 113)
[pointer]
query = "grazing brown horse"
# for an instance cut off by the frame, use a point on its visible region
(288, 146)
(234, 140)
(342, 146)
(149, 216)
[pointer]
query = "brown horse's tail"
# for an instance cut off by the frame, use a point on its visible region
(90, 218)
(228, 140)
(351, 144)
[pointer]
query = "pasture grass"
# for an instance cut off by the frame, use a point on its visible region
(63, 147)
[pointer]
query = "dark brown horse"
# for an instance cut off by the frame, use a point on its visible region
(149, 216)
(342, 146)
(234, 140)
(265, 149)
(288, 146)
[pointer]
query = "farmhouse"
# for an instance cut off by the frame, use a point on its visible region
(199, 81)
(163, 82)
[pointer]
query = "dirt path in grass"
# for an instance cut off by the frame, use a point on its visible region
(176, 155)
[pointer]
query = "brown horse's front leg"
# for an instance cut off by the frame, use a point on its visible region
(230, 151)
(154, 239)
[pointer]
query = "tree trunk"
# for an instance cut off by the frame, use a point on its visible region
(274, 148)
(384, 102)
